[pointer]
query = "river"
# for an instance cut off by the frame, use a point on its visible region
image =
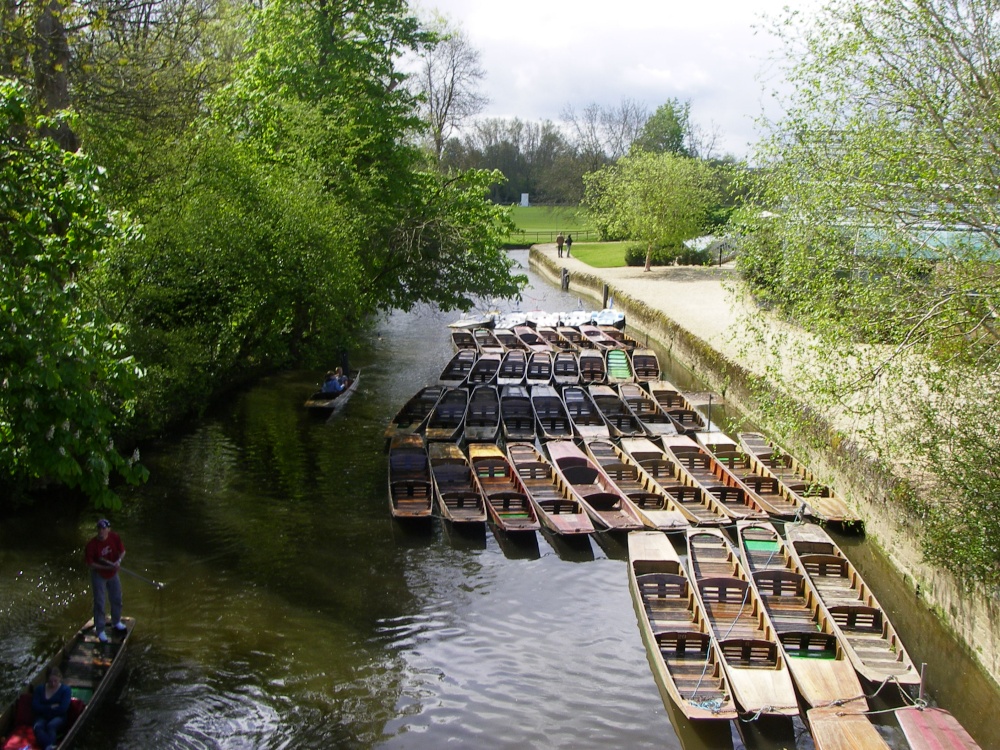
(297, 614)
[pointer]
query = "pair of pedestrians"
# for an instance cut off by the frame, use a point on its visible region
(567, 241)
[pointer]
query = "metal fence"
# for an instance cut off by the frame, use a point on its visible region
(535, 238)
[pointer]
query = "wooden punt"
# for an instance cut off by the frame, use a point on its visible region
(867, 635)
(552, 420)
(927, 728)
(512, 368)
(619, 418)
(702, 469)
(798, 482)
(90, 669)
(656, 508)
(584, 414)
(607, 505)
(645, 365)
(329, 404)
(766, 489)
(457, 369)
(649, 413)
(411, 493)
(807, 636)
(517, 417)
(509, 339)
(507, 500)
(619, 367)
(698, 507)
(412, 416)
(484, 370)
(573, 336)
(448, 416)
(565, 369)
(463, 338)
(754, 664)
(622, 340)
(682, 653)
(533, 340)
(456, 491)
(599, 339)
(557, 509)
(539, 370)
(593, 368)
(482, 420)
(558, 341)
(841, 728)
(487, 341)
(688, 419)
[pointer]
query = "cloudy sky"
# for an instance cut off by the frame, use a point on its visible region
(542, 55)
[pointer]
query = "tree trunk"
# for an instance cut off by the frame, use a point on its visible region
(649, 256)
(51, 63)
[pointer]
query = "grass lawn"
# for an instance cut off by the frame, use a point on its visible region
(550, 219)
(600, 254)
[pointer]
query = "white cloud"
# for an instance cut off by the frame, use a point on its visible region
(542, 55)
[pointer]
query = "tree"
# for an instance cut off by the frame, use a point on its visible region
(667, 130)
(65, 380)
(603, 134)
(449, 84)
(654, 198)
(873, 226)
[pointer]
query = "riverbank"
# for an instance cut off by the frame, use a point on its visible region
(691, 313)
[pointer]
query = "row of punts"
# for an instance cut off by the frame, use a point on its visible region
(775, 625)
(609, 316)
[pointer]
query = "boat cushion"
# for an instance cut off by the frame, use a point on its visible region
(23, 736)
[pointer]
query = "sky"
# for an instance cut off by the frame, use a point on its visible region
(541, 56)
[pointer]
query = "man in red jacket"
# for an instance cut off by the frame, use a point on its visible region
(103, 556)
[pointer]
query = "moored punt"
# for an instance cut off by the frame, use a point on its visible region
(482, 420)
(411, 494)
(486, 341)
(927, 728)
(843, 728)
(517, 417)
(532, 339)
(512, 368)
(90, 669)
(609, 316)
(328, 404)
(619, 418)
(808, 638)
(703, 470)
(565, 368)
(593, 368)
(798, 481)
(508, 340)
(865, 632)
(557, 509)
(618, 335)
(758, 674)
(462, 338)
(484, 370)
(656, 508)
(507, 500)
(619, 367)
(556, 339)
(550, 413)
(573, 336)
(682, 653)
(607, 505)
(412, 416)
(446, 420)
(457, 493)
(698, 507)
(645, 365)
(644, 407)
(598, 338)
(583, 413)
(766, 488)
(688, 419)
(481, 320)
(539, 370)
(457, 369)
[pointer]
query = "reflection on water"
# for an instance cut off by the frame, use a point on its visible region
(297, 614)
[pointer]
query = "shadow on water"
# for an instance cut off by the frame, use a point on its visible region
(518, 545)
(570, 548)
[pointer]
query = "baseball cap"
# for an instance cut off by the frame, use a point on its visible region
(104, 523)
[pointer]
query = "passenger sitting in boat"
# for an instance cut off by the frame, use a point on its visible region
(335, 382)
(50, 705)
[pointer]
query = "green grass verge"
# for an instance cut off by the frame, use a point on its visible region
(550, 219)
(600, 254)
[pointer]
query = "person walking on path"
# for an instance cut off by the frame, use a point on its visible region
(103, 556)
(559, 243)
(569, 243)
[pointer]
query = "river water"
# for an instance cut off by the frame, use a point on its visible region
(297, 614)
